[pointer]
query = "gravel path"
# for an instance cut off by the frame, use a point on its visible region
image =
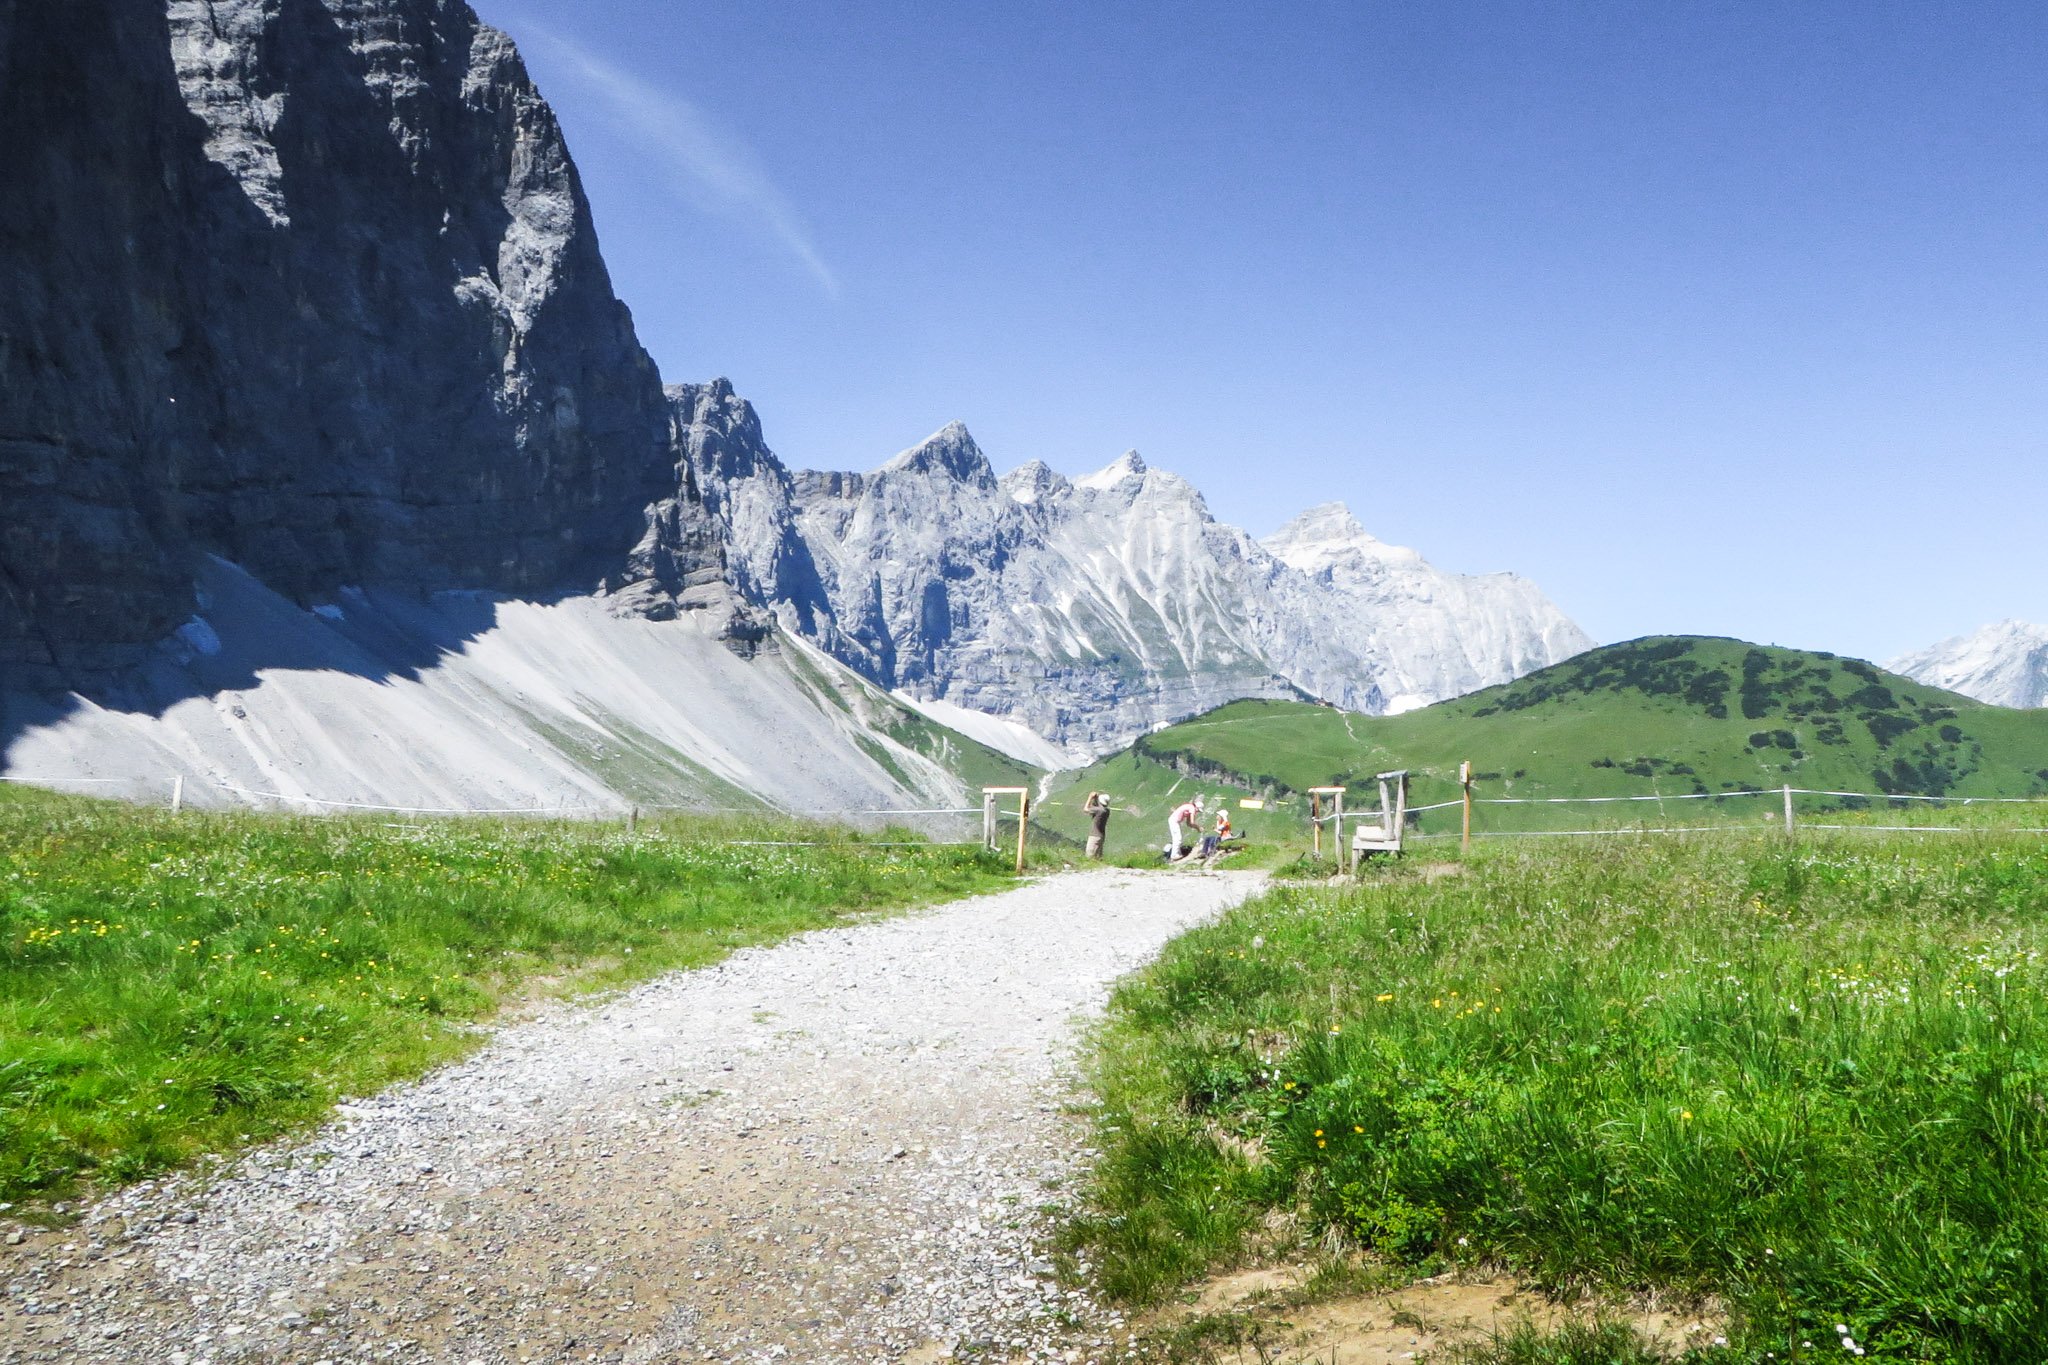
(843, 1148)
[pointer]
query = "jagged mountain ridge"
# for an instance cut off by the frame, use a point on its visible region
(310, 289)
(2005, 664)
(1092, 609)
(310, 285)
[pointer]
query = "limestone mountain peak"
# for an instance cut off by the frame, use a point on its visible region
(949, 451)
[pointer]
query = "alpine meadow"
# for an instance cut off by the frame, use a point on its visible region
(906, 684)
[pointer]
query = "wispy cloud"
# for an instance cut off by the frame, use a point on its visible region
(709, 166)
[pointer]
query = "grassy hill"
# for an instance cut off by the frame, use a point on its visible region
(1666, 715)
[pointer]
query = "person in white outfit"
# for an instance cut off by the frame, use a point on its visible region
(1187, 815)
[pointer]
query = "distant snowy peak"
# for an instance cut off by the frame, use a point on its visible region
(1126, 468)
(1328, 537)
(1034, 482)
(2005, 664)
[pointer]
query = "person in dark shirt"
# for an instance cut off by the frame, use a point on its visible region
(1097, 806)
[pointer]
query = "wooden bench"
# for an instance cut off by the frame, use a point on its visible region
(1380, 831)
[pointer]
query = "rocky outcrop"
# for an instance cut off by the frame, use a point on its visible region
(2005, 664)
(310, 285)
(1094, 609)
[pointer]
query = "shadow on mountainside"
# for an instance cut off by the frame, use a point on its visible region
(244, 629)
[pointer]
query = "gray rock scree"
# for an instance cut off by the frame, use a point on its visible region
(844, 1148)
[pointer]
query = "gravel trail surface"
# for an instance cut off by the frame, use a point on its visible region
(843, 1148)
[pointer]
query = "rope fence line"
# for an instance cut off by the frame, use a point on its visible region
(560, 809)
(1790, 824)
(1915, 796)
(1624, 830)
(38, 781)
(1927, 829)
(631, 811)
(1599, 800)
(1577, 833)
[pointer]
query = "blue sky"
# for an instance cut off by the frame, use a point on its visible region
(1727, 318)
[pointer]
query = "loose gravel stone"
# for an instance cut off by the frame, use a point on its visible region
(846, 1148)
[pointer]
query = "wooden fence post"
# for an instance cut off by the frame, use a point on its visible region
(1337, 848)
(632, 819)
(1023, 823)
(1331, 799)
(1465, 781)
(1788, 810)
(177, 793)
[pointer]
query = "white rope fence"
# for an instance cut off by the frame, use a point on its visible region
(1786, 793)
(631, 811)
(177, 784)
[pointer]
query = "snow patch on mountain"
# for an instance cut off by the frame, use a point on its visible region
(2005, 664)
(1004, 736)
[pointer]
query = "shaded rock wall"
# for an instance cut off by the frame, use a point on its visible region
(311, 285)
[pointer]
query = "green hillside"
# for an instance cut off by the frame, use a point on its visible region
(1668, 716)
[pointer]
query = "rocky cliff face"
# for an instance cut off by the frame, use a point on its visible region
(2005, 664)
(1091, 610)
(310, 285)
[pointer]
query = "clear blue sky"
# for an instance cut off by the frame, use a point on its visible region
(1726, 318)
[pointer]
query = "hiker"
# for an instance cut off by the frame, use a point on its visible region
(1097, 807)
(1212, 843)
(1188, 814)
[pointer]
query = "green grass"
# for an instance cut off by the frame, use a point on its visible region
(1810, 1079)
(1676, 716)
(172, 985)
(1573, 1343)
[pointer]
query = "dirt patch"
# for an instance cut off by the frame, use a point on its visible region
(1280, 1319)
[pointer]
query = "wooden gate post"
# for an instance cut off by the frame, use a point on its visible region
(1788, 810)
(1316, 798)
(1342, 854)
(1465, 781)
(1023, 824)
(988, 817)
